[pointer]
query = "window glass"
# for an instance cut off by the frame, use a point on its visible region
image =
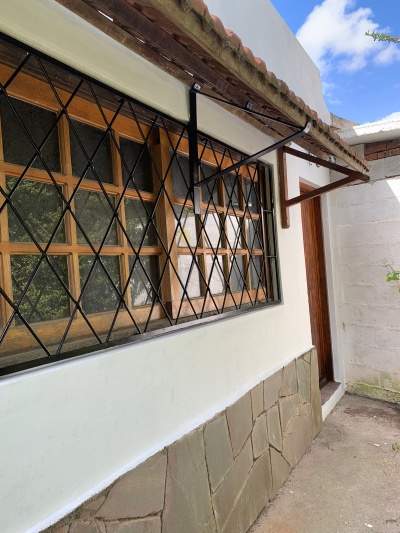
(237, 278)
(90, 137)
(180, 175)
(16, 144)
(210, 193)
(144, 271)
(40, 206)
(212, 231)
(186, 270)
(46, 298)
(94, 214)
(137, 217)
(253, 237)
(251, 195)
(255, 272)
(215, 273)
(136, 165)
(233, 227)
(231, 183)
(186, 234)
(100, 294)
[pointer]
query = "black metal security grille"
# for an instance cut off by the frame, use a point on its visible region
(99, 241)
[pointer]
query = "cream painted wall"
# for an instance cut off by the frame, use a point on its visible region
(263, 30)
(70, 429)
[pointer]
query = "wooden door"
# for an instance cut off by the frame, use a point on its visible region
(316, 284)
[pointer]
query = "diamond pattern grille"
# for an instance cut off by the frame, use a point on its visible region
(98, 237)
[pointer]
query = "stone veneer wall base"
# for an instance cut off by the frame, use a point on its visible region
(218, 478)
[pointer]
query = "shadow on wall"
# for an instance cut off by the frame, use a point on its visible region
(367, 232)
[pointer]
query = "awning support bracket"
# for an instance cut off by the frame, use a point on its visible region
(195, 184)
(351, 176)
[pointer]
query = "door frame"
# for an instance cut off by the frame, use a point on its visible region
(335, 372)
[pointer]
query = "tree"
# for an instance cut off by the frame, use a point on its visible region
(383, 37)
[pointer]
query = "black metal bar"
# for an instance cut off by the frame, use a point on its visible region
(248, 108)
(236, 211)
(140, 337)
(193, 148)
(256, 156)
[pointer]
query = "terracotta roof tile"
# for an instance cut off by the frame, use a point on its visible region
(197, 5)
(262, 67)
(218, 27)
(301, 104)
(272, 78)
(251, 57)
(234, 42)
(208, 22)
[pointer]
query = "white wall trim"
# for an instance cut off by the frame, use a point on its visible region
(195, 423)
(333, 400)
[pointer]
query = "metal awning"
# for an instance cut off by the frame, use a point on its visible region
(181, 37)
(283, 149)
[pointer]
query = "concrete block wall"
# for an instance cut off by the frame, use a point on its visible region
(366, 222)
(219, 477)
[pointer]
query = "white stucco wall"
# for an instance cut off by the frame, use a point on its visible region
(70, 429)
(366, 218)
(263, 30)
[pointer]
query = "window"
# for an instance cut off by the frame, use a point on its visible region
(98, 236)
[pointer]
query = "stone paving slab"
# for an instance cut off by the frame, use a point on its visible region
(349, 481)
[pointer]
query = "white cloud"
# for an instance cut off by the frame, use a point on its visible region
(328, 90)
(334, 37)
(392, 116)
(388, 55)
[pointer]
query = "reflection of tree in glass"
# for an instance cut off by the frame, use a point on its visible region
(186, 232)
(137, 216)
(90, 137)
(99, 294)
(40, 206)
(17, 147)
(46, 298)
(141, 290)
(137, 169)
(94, 214)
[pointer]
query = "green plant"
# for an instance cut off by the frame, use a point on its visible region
(392, 274)
(396, 448)
(383, 37)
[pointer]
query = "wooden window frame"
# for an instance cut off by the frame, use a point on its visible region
(35, 91)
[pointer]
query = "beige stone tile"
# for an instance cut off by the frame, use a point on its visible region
(139, 492)
(257, 400)
(304, 380)
(188, 500)
(85, 526)
(289, 379)
(272, 386)
(298, 436)
(280, 470)
(240, 422)
(274, 428)
(151, 524)
(287, 409)
(259, 436)
(226, 494)
(218, 448)
(252, 499)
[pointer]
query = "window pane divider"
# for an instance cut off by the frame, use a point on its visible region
(74, 281)
(170, 288)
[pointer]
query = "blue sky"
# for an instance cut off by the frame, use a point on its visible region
(361, 78)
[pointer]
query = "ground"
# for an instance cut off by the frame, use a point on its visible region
(349, 481)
